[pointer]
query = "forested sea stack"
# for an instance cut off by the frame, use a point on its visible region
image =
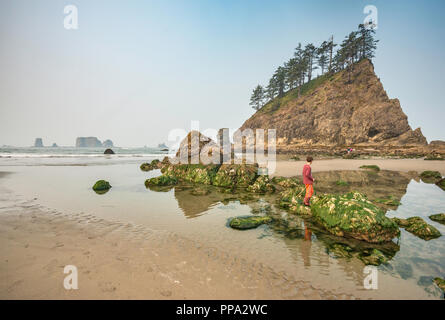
(345, 106)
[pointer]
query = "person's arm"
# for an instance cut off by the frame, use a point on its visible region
(310, 174)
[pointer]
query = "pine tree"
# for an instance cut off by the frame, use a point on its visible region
(309, 52)
(322, 55)
(257, 98)
(366, 41)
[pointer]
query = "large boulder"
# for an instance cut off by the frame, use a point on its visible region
(108, 151)
(353, 215)
(161, 181)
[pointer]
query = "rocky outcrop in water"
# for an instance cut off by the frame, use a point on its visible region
(88, 142)
(107, 144)
(108, 151)
(418, 227)
(38, 143)
(336, 114)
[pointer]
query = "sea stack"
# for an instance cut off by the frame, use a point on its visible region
(38, 143)
(336, 113)
(88, 142)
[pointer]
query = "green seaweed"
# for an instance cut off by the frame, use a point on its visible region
(371, 167)
(261, 185)
(441, 184)
(440, 217)
(101, 185)
(251, 222)
(418, 227)
(353, 215)
(431, 176)
(161, 181)
(440, 283)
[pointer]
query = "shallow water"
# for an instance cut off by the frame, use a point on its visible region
(295, 247)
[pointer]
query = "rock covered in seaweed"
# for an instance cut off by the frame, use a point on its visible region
(236, 175)
(261, 185)
(441, 184)
(101, 185)
(353, 215)
(108, 151)
(193, 173)
(244, 223)
(161, 181)
(155, 164)
(418, 227)
(292, 199)
(430, 176)
(373, 257)
(440, 217)
(440, 283)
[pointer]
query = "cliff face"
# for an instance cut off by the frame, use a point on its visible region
(334, 112)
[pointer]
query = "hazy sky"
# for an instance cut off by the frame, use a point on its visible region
(134, 70)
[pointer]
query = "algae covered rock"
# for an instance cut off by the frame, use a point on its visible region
(244, 223)
(193, 173)
(371, 167)
(418, 227)
(101, 185)
(438, 218)
(430, 176)
(373, 257)
(239, 175)
(286, 182)
(440, 283)
(441, 184)
(155, 164)
(353, 215)
(108, 151)
(292, 199)
(389, 201)
(161, 181)
(261, 185)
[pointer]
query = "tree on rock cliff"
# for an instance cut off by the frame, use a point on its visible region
(257, 98)
(310, 54)
(367, 43)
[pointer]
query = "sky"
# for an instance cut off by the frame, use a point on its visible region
(135, 70)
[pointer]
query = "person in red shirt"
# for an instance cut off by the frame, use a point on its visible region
(308, 181)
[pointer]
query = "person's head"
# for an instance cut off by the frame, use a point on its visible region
(309, 159)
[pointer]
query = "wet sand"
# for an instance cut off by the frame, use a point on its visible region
(124, 261)
(293, 168)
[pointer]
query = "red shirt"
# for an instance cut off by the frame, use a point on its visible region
(307, 174)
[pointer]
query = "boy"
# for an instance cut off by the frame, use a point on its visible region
(308, 180)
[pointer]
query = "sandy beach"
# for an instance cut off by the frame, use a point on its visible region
(291, 168)
(124, 261)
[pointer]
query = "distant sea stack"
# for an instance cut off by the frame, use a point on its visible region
(337, 111)
(88, 142)
(54, 145)
(107, 144)
(38, 143)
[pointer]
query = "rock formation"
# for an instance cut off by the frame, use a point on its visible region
(334, 113)
(54, 145)
(107, 144)
(38, 143)
(88, 142)
(108, 151)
